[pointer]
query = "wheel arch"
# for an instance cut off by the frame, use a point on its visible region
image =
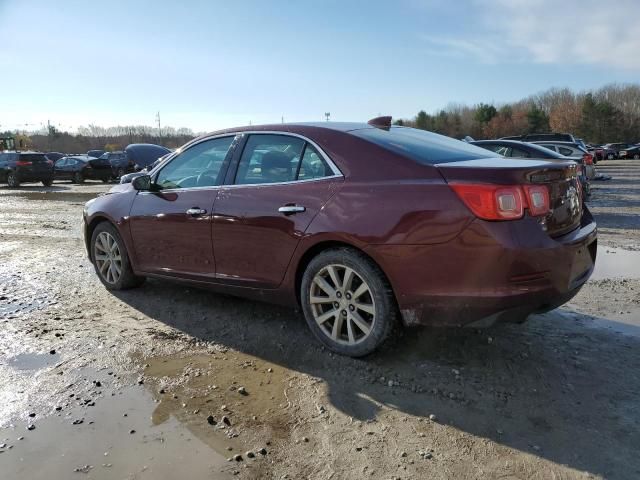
(314, 250)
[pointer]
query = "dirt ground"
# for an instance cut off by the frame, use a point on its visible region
(146, 383)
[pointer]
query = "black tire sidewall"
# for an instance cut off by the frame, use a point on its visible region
(127, 278)
(78, 178)
(386, 309)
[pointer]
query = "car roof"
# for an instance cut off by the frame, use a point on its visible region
(557, 142)
(300, 128)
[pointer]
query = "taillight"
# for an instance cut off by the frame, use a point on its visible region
(23, 163)
(537, 200)
(587, 158)
(49, 162)
(503, 202)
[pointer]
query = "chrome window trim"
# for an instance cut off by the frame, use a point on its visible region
(336, 171)
(334, 168)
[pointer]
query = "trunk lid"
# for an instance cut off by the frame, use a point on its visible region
(559, 176)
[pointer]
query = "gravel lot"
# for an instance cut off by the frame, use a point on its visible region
(147, 383)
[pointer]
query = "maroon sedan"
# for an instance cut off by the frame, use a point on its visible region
(363, 225)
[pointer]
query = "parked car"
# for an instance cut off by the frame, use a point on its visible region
(130, 176)
(614, 148)
(144, 154)
(54, 156)
(25, 167)
(361, 225)
(631, 152)
(575, 152)
(95, 153)
(541, 137)
(515, 149)
(79, 168)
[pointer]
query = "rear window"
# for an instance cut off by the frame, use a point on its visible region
(33, 157)
(422, 146)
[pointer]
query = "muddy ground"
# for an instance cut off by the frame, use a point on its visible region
(146, 383)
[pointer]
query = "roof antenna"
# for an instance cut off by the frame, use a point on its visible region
(381, 122)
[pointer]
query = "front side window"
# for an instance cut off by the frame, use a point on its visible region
(517, 153)
(198, 166)
(269, 159)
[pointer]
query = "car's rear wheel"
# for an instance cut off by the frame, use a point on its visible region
(347, 302)
(47, 183)
(636, 156)
(78, 177)
(110, 259)
(611, 156)
(12, 180)
(121, 172)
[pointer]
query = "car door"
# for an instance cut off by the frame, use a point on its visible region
(59, 171)
(280, 183)
(171, 224)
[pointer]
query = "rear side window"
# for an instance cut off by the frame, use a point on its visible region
(424, 147)
(269, 159)
(517, 153)
(565, 151)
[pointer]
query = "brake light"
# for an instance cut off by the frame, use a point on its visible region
(587, 158)
(503, 202)
(537, 200)
(49, 162)
(492, 202)
(23, 163)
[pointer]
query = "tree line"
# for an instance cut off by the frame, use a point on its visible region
(608, 114)
(93, 137)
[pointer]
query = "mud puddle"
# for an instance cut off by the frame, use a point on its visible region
(221, 397)
(616, 263)
(58, 196)
(20, 294)
(33, 361)
(108, 433)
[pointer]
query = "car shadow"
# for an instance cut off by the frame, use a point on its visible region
(559, 387)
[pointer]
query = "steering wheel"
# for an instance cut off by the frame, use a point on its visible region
(207, 178)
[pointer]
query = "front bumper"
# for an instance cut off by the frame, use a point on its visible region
(493, 270)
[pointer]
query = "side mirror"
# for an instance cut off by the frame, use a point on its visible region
(142, 183)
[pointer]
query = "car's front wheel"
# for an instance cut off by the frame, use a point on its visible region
(48, 182)
(348, 302)
(110, 259)
(611, 156)
(12, 180)
(78, 177)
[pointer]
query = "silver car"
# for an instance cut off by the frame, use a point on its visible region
(574, 151)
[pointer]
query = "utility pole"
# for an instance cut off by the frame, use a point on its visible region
(282, 119)
(159, 127)
(327, 115)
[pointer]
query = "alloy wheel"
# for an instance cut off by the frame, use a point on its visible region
(342, 304)
(108, 257)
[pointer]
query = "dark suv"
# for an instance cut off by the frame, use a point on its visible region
(24, 167)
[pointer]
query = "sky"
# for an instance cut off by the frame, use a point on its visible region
(213, 64)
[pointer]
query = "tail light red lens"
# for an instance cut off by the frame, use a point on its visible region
(537, 200)
(23, 163)
(587, 158)
(503, 202)
(49, 162)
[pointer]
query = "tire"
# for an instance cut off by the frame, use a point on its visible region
(636, 156)
(78, 177)
(47, 183)
(347, 337)
(13, 180)
(611, 156)
(121, 172)
(107, 273)
(105, 180)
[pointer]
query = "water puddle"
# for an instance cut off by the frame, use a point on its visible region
(80, 197)
(616, 263)
(103, 443)
(248, 391)
(33, 361)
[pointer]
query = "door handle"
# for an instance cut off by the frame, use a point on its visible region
(196, 211)
(291, 209)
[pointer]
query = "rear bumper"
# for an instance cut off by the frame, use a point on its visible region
(492, 270)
